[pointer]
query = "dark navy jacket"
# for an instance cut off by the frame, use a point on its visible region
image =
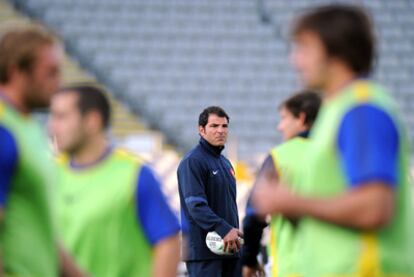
(207, 188)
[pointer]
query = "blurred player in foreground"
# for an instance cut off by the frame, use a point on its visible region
(30, 59)
(285, 162)
(355, 210)
(113, 217)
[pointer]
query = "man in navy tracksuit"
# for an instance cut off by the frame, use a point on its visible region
(207, 188)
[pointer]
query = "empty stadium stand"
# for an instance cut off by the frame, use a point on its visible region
(168, 59)
(127, 128)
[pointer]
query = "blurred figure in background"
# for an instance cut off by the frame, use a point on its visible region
(355, 210)
(284, 163)
(207, 188)
(112, 216)
(30, 58)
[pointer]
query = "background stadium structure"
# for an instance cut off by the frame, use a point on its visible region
(166, 60)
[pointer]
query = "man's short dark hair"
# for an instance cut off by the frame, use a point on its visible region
(307, 102)
(203, 118)
(91, 98)
(345, 31)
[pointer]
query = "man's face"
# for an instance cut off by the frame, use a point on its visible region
(216, 130)
(310, 60)
(43, 80)
(290, 125)
(66, 124)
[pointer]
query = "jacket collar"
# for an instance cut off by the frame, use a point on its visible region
(214, 150)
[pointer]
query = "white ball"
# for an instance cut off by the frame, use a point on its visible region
(216, 245)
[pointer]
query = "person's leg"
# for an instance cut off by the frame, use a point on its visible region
(207, 268)
(231, 268)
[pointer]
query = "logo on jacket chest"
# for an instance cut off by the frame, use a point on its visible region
(216, 172)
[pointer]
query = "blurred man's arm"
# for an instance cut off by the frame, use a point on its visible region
(159, 224)
(368, 148)
(166, 256)
(256, 271)
(8, 164)
(68, 267)
(253, 224)
(1, 258)
(366, 208)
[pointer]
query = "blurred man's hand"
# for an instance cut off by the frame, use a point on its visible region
(231, 240)
(271, 199)
(256, 271)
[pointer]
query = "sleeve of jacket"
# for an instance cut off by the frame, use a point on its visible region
(191, 178)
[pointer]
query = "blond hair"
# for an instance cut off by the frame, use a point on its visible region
(19, 46)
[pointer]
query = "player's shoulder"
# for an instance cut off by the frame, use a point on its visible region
(2, 109)
(294, 143)
(9, 145)
(6, 133)
(122, 154)
(367, 91)
(4, 114)
(126, 154)
(291, 144)
(227, 161)
(7, 113)
(62, 159)
(193, 157)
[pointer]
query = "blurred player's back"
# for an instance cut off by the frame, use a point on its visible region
(27, 224)
(97, 205)
(289, 162)
(284, 166)
(112, 215)
(384, 250)
(29, 75)
(356, 210)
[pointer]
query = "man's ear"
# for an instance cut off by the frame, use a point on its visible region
(201, 130)
(15, 74)
(93, 121)
(302, 118)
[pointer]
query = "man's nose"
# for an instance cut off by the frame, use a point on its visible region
(279, 127)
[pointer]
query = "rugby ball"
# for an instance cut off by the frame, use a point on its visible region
(216, 245)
